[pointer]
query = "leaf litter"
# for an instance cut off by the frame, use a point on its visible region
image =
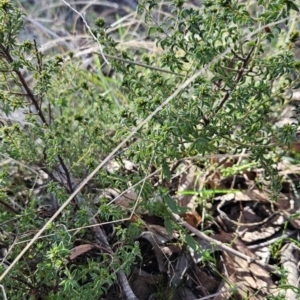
(244, 220)
(236, 239)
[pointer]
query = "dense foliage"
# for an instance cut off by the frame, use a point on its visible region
(230, 77)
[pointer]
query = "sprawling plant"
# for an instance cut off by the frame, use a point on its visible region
(232, 104)
(66, 125)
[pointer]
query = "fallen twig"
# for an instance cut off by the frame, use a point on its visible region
(223, 246)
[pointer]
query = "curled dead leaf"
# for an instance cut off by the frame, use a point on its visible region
(78, 250)
(192, 218)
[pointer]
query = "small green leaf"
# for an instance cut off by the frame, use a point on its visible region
(191, 242)
(207, 192)
(291, 5)
(251, 44)
(170, 202)
(166, 170)
(188, 193)
(168, 225)
(183, 209)
(151, 30)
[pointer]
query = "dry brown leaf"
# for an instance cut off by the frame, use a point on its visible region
(192, 218)
(239, 272)
(125, 201)
(113, 166)
(256, 220)
(207, 284)
(178, 272)
(250, 175)
(171, 249)
(225, 290)
(160, 233)
(78, 250)
(295, 147)
(264, 231)
(249, 216)
(254, 281)
(141, 289)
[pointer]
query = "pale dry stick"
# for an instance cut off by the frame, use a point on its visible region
(218, 293)
(132, 3)
(77, 229)
(124, 283)
(285, 236)
(43, 28)
(224, 215)
(222, 246)
(5, 162)
(141, 65)
(293, 170)
(102, 223)
(127, 25)
(126, 219)
(215, 156)
(82, 11)
(8, 252)
(136, 184)
(3, 292)
(139, 182)
(138, 197)
(50, 7)
(88, 28)
(9, 159)
(96, 2)
(88, 51)
(133, 132)
(116, 23)
(53, 43)
(18, 121)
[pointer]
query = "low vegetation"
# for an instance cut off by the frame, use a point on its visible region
(161, 169)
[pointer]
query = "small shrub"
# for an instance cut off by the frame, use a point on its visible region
(69, 125)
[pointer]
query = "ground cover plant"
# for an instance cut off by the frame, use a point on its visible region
(153, 156)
